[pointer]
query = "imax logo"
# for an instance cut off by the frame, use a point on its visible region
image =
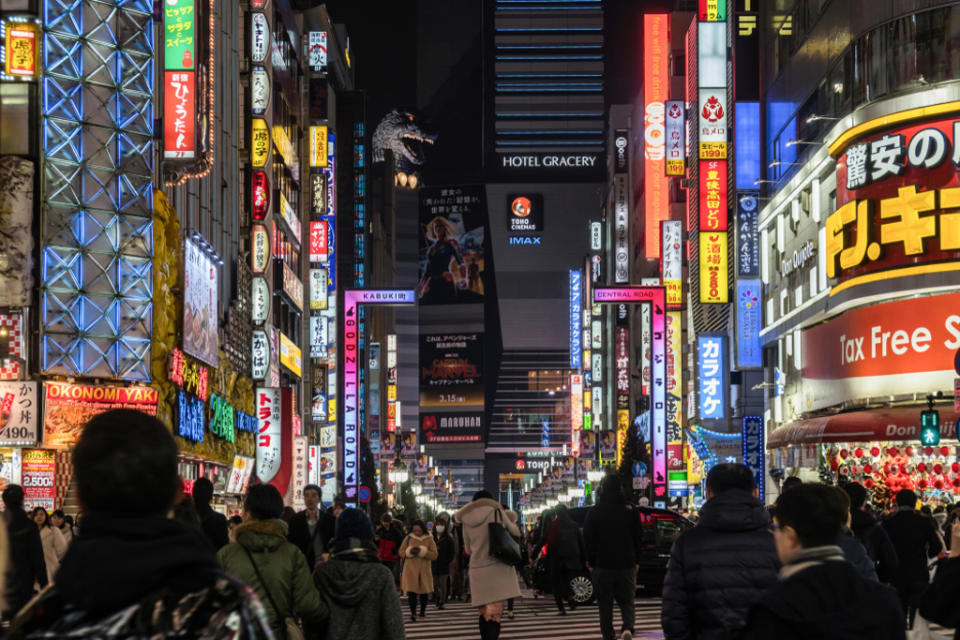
(525, 240)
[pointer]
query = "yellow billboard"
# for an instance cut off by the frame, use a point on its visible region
(259, 142)
(290, 356)
(318, 146)
(714, 284)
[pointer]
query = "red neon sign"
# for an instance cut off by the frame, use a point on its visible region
(260, 195)
(656, 47)
(318, 241)
(713, 195)
(179, 115)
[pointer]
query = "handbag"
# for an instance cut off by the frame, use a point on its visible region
(291, 626)
(502, 545)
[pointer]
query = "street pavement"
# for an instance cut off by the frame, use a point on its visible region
(537, 619)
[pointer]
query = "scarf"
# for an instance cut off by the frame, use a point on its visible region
(811, 557)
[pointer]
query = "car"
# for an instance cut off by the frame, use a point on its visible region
(660, 528)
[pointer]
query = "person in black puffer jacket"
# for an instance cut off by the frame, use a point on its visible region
(721, 567)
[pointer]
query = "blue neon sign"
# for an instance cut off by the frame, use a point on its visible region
(712, 376)
(576, 304)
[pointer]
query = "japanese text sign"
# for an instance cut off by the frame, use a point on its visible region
(714, 282)
(179, 115)
(21, 49)
(656, 85)
(179, 35)
(712, 376)
(671, 261)
(576, 304)
(713, 124)
(269, 433)
(19, 413)
(713, 195)
(753, 449)
(676, 138)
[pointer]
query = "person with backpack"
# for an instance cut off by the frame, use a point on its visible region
(274, 568)
(388, 537)
(566, 556)
(869, 532)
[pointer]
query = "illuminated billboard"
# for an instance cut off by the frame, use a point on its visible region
(714, 283)
(656, 84)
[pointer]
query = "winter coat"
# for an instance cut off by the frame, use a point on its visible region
(915, 540)
(388, 542)
(612, 534)
(719, 568)
(27, 565)
(139, 577)
(67, 534)
(417, 576)
(283, 568)
(877, 543)
(856, 554)
(490, 580)
(823, 596)
(360, 594)
(939, 601)
(54, 548)
(446, 549)
(214, 526)
(565, 545)
(300, 534)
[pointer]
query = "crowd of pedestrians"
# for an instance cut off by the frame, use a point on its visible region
(148, 562)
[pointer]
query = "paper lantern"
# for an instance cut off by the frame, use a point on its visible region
(956, 483)
(894, 469)
(909, 451)
(844, 470)
(955, 467)
(875, 451)
(938, 468)
(893, 451)
(928, 451)
(868, 468)
(923, 483)
(858, 452)
(938, 484)
(921, 467)
(868, 483)
(944, 451)
(844, 454)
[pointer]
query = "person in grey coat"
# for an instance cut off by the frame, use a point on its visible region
(356, 587)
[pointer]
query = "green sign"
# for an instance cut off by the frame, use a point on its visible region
(221, 418)
(179, 35)
(930, 427)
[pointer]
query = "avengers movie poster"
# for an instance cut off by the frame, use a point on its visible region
(451, 245)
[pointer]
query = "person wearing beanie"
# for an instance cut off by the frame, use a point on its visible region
(358, 590)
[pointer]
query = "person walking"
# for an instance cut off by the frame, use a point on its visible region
(312, 528)
(492, 582)
(853, 550)
(388, 537)
(59, 520)
(565, 555)
(356, 587)
(915, 541)
(819, 593)
(939, 602)
(27, 566)
(721, 567)
(869, 532)
(612, 539)
(418, 550)
(134, 572)
(54, 545)
(274, 568)
(213, 524)
(446, 552)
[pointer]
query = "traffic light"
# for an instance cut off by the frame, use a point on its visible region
(930, 427)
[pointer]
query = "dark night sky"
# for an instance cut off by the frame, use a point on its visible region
(425, 56)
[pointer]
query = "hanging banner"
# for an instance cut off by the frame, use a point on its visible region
(301, 468)
(313, 465)
(713, 195)
(19, 413)
(38, 473)
(240, 474)
(260, 355)
(748, 238)
(713, 124)
(712, 376)
(714, 284)
(749, 352)
(260, 248)
(259, 37)
(676, 138)
(318, 289)
(179, 115)
(671, 261)
(259, 91)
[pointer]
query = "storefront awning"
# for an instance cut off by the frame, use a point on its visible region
(861, 426)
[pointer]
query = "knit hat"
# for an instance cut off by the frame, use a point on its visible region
(353, 523)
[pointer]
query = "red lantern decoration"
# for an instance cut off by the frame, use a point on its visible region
(921, 467)
(894, 469)
(955, 467)
(868, 483)
(875, 451)
(928, 451)
(893, 451)
(868, 468)
(938, 468)
(858, 452)
(956, 483)
(923, 483)
(909, 451)
(944, 451)
(260, 195)
(938, 484)
(844, 454)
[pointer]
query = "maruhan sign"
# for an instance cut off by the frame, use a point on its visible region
(566, 161)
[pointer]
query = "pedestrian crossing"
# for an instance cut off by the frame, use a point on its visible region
(535, 619)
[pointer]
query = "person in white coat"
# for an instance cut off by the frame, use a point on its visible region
(492, 582)
(54, 544)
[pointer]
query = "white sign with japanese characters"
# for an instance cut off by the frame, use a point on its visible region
(19, 413)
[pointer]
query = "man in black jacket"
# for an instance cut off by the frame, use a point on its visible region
(312, 528)
(873, 536)
(26, 552)
(611, 536)
(820, 594)
(213, 524)
(915, 541)
(721, 567)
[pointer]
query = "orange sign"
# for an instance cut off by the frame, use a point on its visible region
(68, 407)
(656, 83)
(22, 49)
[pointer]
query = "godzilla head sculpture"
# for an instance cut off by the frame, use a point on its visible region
(400, 132)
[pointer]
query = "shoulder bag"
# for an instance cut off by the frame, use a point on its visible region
(502, 545)
(290, 626)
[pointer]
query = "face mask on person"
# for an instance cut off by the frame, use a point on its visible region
(441, 528)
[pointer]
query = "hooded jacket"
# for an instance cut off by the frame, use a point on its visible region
(719, 569)
(877, 543)
(283, 568)
(611, 534)
(27, 564)
(360, 595)
(122, 567)
(823, 596)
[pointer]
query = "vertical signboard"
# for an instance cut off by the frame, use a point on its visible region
(179, 115)
(576, 304)
(671, 262)
(674, 391)
(269, 433)
(576, 411)
(38, 472)
(621, 222)
(713, 123)
(749, 353)
(21, 57)
(179, 35)
(301, 468)
(656, 50)
(713, 195)
(318, 146)
(712, 377)
(748, 241)
(753, 450)
(714, 283)
(676, 138)
(713, 10)
(259, 37)
(317, 53)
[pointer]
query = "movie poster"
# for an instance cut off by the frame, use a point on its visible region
(588, 444)
(451, 370)
(451, 245)
(408, 445)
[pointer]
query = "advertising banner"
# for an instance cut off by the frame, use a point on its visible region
(451, 370)
(319, 336)
(748, 238)
(576, 305)
(270, 430)
(22, 49)
(754, 455)
(621, 222)
(674, 391)
(713, 195)
(259, 37)
(318, 146)
(301, 468)
(749, 299)
(38, 472)
(588, 445)
(671, 262)
(713, 124)
(290, 356)
(656, 85)
(893, 348)
(451, 245)
(260, 355)
(525, 213)
(259, 90)
(259, 142)
(68, 407)
(712, 11)
(713, 377)
(10, 464)
(714, 283)
(200, 304)
(317, 53)
(260, 249)
(240, 474)
(676, 138)
(318, 241)
(318, 289)
(451, 427)
(259, 300)
(408, 445)
(19, 413)
(179, 115)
